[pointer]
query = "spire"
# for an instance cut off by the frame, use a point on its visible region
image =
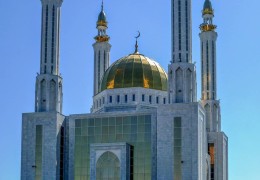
(207, 8)
(136, 43)
(208, 15)
(102, 20)
(102, 26)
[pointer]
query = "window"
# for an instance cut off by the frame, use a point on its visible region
(177, 153)
(143, 97)
(62, 153)
(103, 100)
(157, 99)
(126, 98)
(118, 98)
(211, 151)
(164, 100)
(110, 99)
(38, 152)
(150, 99)
(133, 97)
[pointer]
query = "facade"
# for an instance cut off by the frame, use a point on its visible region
(144, 124)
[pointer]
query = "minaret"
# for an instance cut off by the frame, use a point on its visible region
(208, 38)
(182, 72)
(101, 50)
(49, 81)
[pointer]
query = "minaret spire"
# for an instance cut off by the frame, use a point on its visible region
(49, 81)
(136, 42)
(101, 49)
(208, 37)
(182, 72)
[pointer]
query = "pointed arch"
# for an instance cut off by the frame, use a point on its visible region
(207, 110)
(53, 97)
(43, 95)
(189, 85)
(108, 167)
(179, 85)
(215, 116)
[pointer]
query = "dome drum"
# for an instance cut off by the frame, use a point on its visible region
(128, 99)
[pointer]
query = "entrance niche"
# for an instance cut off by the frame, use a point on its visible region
(108, 167)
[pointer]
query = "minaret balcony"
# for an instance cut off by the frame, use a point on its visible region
(207, 27)
(102, 38)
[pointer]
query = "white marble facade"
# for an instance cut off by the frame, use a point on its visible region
(147, 133)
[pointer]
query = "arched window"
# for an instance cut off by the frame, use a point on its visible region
(108, 167)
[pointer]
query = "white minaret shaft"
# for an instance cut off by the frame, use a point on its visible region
(208, 38)
(181, 31)
(49, 82)
(101, 51)
(182, 73)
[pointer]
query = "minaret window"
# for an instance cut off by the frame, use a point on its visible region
(104, 61)
(52, 37)
(207, 64)
(213, 69)
(179, 17)
(173, 30)
(46, 34)
(143, 97)
(157, 99)
(187, 26)
(110, 99)
(98, 69)
(150, 99)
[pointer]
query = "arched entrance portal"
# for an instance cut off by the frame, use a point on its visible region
(108, 167)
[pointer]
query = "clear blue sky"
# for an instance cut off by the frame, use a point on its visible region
(238, 62)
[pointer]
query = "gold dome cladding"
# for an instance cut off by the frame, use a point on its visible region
(135, 70)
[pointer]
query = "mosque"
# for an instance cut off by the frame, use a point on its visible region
(145, 123)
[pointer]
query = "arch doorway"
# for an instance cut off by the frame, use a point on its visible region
(108, 167)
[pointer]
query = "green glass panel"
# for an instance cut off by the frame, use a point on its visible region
(115, 129)
(38, 152)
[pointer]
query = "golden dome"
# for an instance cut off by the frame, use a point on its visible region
(135, 70)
